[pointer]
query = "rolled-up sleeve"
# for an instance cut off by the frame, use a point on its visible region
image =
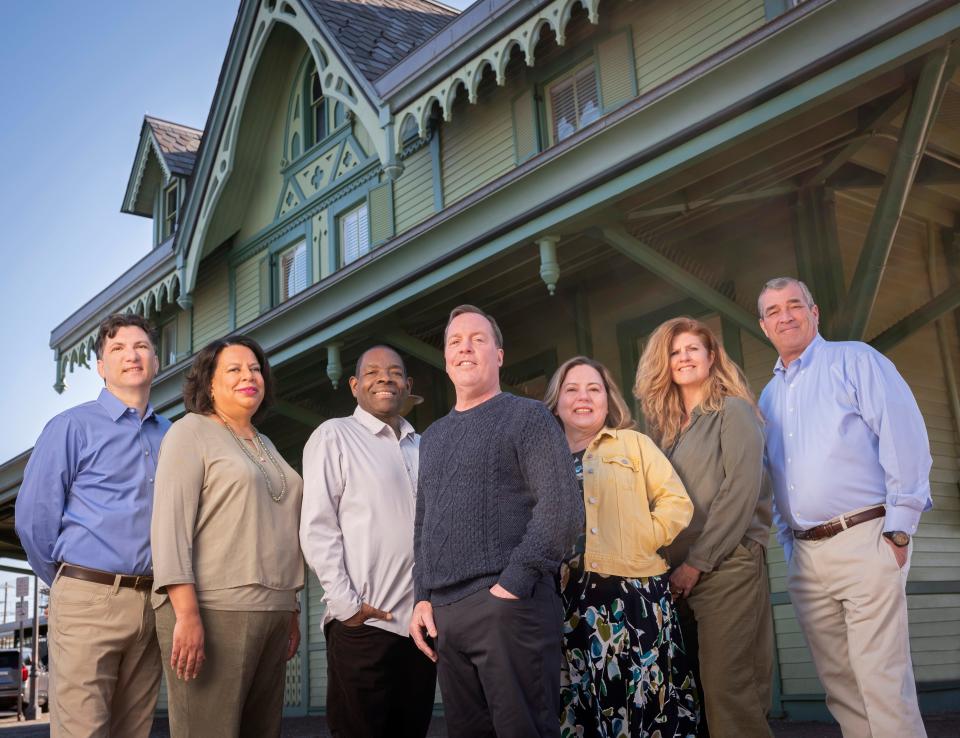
(43, 494)
(181, 470)
(320, 535)
(888, 407)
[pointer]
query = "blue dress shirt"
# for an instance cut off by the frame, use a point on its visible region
(87, 492)
(844, 432)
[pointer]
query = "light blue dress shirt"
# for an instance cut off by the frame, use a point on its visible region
(844, 432)
(87, 492)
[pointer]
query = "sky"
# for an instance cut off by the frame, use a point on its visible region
(77, 80)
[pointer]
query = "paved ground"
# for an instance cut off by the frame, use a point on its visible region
(939, 726)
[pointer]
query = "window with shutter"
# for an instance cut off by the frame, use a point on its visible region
(292, 270)
(574, 102)
(354, 234)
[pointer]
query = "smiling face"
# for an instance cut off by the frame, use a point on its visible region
(237, 384)
(129, 360)
(472, 358)
(690, 361)
(788, 321)
(582, 404)
(381, 385)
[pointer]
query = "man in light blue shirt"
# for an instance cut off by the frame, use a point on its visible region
(83, 516)
(850, 462)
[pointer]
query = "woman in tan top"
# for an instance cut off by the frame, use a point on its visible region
(703, 415)
(226, 554)
(624, 672)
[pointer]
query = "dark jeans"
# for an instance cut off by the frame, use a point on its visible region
(378, 684)
(499, 666)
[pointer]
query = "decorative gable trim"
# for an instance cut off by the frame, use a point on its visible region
(339, 79)
(148, 145)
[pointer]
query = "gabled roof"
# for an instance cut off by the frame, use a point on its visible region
(178, 144)
(377, 34)
(173, 148)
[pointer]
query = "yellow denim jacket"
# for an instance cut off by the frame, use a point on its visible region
(635, 504)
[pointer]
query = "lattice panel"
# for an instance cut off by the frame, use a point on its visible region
(292, 693)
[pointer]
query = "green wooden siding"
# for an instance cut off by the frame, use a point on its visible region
(211, 302)
(316, 643)
(247, 286)
(413, 191)
(380, 203)
(477, 145)
(617, 71)
(671, 37)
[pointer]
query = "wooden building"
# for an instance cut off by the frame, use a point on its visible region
(582, 169)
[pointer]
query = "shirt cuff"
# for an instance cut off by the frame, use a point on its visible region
(900, 517)
(518, 581)
(343, 608)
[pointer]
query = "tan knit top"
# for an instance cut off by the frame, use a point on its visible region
(215, 525)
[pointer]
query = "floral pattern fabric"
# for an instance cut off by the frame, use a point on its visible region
(624, 672)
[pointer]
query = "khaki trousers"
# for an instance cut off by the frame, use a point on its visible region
(850, 598)
(734, 625)
(104, 661)
(239, 692)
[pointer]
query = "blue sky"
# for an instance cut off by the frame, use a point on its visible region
(78, 78)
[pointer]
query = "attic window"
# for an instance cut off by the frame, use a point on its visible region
(317, 119)
(574, 102)
(170, 206)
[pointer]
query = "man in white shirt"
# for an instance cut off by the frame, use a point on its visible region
(356, 531)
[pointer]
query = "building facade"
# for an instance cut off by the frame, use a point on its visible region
(583, 169)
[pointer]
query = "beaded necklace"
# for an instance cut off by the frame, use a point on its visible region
(264, 452)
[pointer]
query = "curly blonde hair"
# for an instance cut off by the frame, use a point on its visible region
(660, 398)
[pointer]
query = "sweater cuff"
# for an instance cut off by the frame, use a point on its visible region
(518, 581)
(420, 594)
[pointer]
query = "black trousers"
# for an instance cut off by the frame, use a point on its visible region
(499, 665)
(378, 684)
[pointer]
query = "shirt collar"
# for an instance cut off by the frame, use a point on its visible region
(805, 358)
(115, 407)
(605, 431)
(376, 426)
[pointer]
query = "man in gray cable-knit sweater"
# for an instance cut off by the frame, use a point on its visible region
(497, 508)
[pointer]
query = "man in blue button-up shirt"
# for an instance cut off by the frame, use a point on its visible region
(850, 462)
(83, 517)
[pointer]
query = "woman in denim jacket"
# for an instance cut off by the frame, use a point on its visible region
(624, 671)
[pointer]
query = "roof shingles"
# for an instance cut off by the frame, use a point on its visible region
(381, 32)
(178, 144)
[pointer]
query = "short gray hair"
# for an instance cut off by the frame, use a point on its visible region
(779, 283)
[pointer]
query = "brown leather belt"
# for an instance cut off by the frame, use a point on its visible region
(105, 577)
(831, 528)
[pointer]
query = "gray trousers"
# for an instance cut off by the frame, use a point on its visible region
(499, 666)
(239, 693)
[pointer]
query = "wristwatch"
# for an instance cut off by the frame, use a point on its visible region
(898, 538)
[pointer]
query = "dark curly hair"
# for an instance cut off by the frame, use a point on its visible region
(197, 397)
(112, 323)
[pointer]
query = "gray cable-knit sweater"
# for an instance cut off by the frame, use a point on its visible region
(497, 500)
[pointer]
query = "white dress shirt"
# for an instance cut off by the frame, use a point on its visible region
(356, 526)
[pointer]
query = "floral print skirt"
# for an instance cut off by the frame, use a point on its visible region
(624, 673)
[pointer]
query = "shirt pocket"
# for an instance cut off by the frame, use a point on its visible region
(617, 480)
